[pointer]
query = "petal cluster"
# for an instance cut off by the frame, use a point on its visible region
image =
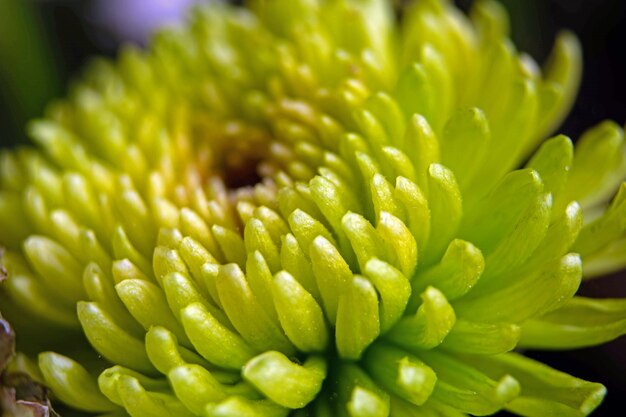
(314, 208)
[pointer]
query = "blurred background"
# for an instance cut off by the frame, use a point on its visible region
(45, 43)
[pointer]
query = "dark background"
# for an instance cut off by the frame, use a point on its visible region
(59, 36)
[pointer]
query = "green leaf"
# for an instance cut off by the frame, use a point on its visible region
(107, 382)
(33, 204)
(546, 392)
(231, 244)
(444, 201)
(110, 340)
(301, 318)
(72, 383)
(429, 326)
(494, 217)
(181, 291)
(272, 221)
(609, 259)
(552, 162)
(480, 338)
(581, 322)
(93, 250)
(399, 242)
(459, 269)
(465, 139)
(306, 228)
(165, 353)
(137, 221)
(56, 267)
(415, 82)
(564, 70)
(284, 382)
(333, 202)
(216, 343)
(435, 64)
(388, 112)
(409, 377)
(332, 273)
(393, 289)
(59, 144)
(125, 269)
(236, 406)
(560, 237)
(532, 293)
(358, 394)
(339, 166)
(608, 228)
(510, 125)
(358, 319)
(259, 278)
(26, 291)
(371, 129)
(517, 246)
(209, 272)
(432, 408)
(195, 387)
(195, 256)
(81, 201)
(139, 402)
(497, 75)
(490, 18)
(257, 238)
(466, 388)
(396, 163)
(194, 227)
(366, 243)
(294, 261)
(426, 86)
(369, 167)
(422, 147)
(146, 303)
(66, 232)
(246, 314)
(124, 249)
(382, 196)
(166, 261)
(365, 403)
(587, 182)
(416, 207)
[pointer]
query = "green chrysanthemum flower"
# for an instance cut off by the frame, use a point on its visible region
(314, 208)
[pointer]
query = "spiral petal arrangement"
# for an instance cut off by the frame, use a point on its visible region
(315, 208)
